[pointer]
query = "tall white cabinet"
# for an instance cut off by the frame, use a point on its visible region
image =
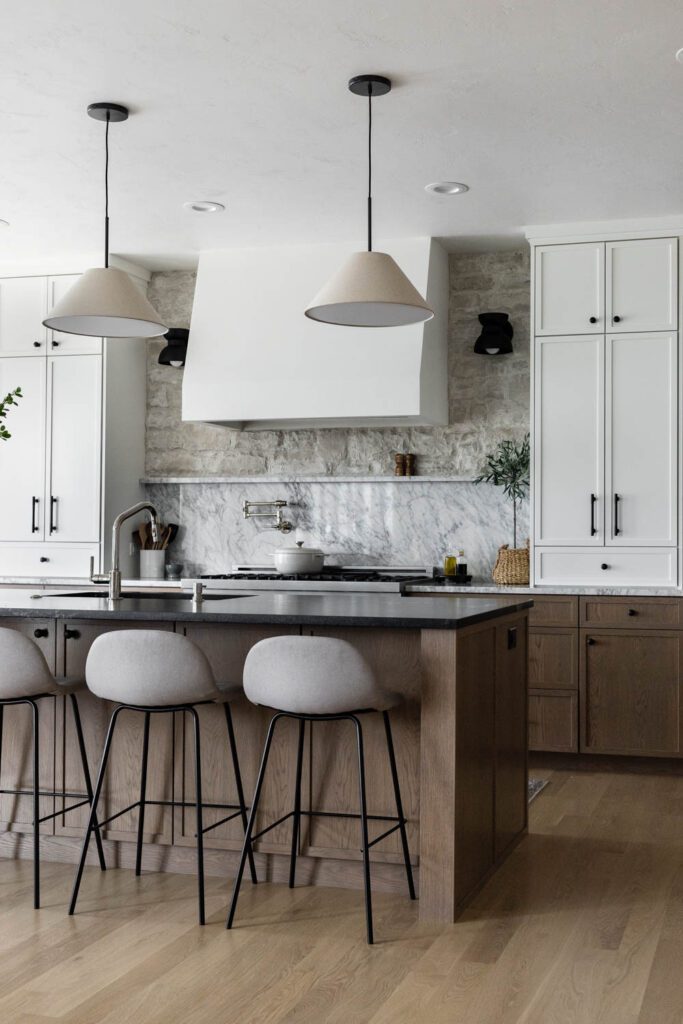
(605, 424)
(76, 453)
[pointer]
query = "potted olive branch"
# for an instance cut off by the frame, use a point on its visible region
(507, 466)
(9, 400)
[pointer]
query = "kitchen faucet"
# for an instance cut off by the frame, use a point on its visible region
(114, 575)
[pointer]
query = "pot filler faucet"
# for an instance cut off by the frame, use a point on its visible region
(114, 575)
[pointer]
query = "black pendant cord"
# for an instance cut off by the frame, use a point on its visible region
(370, 167)
(106, 193)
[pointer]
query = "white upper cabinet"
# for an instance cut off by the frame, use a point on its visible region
(23, 306)
(22, 457)
(641, 439)
(570, 289)
(641, 285)
(60, 344)
(569, 441)
(74, 445)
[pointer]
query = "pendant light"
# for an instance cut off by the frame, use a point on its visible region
(104, 302)
(370, 289)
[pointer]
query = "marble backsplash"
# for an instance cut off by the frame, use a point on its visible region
(401, 522)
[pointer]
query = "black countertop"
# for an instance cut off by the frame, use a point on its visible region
(378, 610)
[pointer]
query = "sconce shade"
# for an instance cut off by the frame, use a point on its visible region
(105, 303)
(369, 290)
(496, 335)
(175, 352)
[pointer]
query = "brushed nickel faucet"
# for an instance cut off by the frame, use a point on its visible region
(275, 507)
(114, 575)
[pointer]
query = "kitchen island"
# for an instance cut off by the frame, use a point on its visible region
(460, 737)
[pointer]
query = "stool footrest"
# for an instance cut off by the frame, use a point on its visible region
(336, 814)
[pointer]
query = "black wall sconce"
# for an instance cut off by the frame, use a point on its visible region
(496, 335)
(176, 347)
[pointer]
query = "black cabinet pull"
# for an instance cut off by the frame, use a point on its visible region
(604, 565)
(617, 499)
(38, 633)
(53, 516)
(632, 611)
(512, 638)
(34, 506)
(44, 558)
(72, 634)
(593, 501)
(590, 641)
(616, 319)
(593, 320)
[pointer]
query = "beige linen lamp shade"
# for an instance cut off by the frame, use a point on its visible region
(369, 290)
(105, 303)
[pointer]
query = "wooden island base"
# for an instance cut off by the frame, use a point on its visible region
(460, 739)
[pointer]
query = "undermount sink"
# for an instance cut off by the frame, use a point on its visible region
(135, 595)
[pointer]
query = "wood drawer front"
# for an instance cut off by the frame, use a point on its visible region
(558, 610)
(631, 612)
(553, 659)
(553, 720)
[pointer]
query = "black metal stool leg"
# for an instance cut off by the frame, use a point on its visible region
(399, 804)
(296, 828)
(238, 784)
(364, 829)
(143, 794)
(200, 825)
(86, 774)
(93, 808)
(36, 806)
(252, 818)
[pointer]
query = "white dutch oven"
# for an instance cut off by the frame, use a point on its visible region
(297, 559)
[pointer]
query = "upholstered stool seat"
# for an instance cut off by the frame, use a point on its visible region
(315, 678)
(154, 672)
(25, 678)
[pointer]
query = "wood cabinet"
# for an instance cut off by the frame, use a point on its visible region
(553, 688)
(554, 720)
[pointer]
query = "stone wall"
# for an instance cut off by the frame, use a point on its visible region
(488, 396)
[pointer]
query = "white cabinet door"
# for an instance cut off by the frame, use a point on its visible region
(22, 457)
(641, 287)
(641, 439)
(23, 307)
(569, 441)
(61, 344)
(74, 451)
(569, 288)
(627, 567)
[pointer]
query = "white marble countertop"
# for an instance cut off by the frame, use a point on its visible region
(487, 587)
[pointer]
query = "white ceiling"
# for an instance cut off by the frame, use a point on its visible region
(550, 110)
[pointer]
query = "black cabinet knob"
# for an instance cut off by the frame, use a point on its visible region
(55, 344)
(593, 320)
(44, 558)
(72, 634)
(616, 319)
(590, 641)
(604, 565)
(38, 633)
(632, 611)
(37, 344)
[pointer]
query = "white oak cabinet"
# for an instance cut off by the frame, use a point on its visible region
(606, 413)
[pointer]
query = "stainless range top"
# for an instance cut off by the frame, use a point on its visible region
(363, 578)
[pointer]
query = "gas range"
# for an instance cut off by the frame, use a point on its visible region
(362, 578)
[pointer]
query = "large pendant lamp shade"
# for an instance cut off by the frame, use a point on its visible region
(105, 302)
(370, 289)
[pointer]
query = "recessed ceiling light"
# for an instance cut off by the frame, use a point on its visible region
(204, 206)
(679, 55)
(447, 188)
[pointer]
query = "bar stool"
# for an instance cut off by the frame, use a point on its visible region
(319, 679)
(156, 672)
(25, 678)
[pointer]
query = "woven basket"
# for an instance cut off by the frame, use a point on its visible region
(512, 566)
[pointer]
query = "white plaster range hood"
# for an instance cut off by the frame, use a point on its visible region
(256, 362)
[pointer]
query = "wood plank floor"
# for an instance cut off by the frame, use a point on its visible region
(582, 925)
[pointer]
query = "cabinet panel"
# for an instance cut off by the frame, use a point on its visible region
(569, 440)
(22, 457)
(553, 659)
(641, 439)
(49, 561)
(59, 342)
(630, 692)
(74, 416)
(555, 610)
(510, 790)
(553, 720)
(644, 567)
(569, 287)
(631, 612)
(641, 285)
(23, 305)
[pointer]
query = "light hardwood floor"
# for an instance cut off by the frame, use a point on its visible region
(582, 925)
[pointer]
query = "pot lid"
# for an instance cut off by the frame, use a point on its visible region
(298, 548)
